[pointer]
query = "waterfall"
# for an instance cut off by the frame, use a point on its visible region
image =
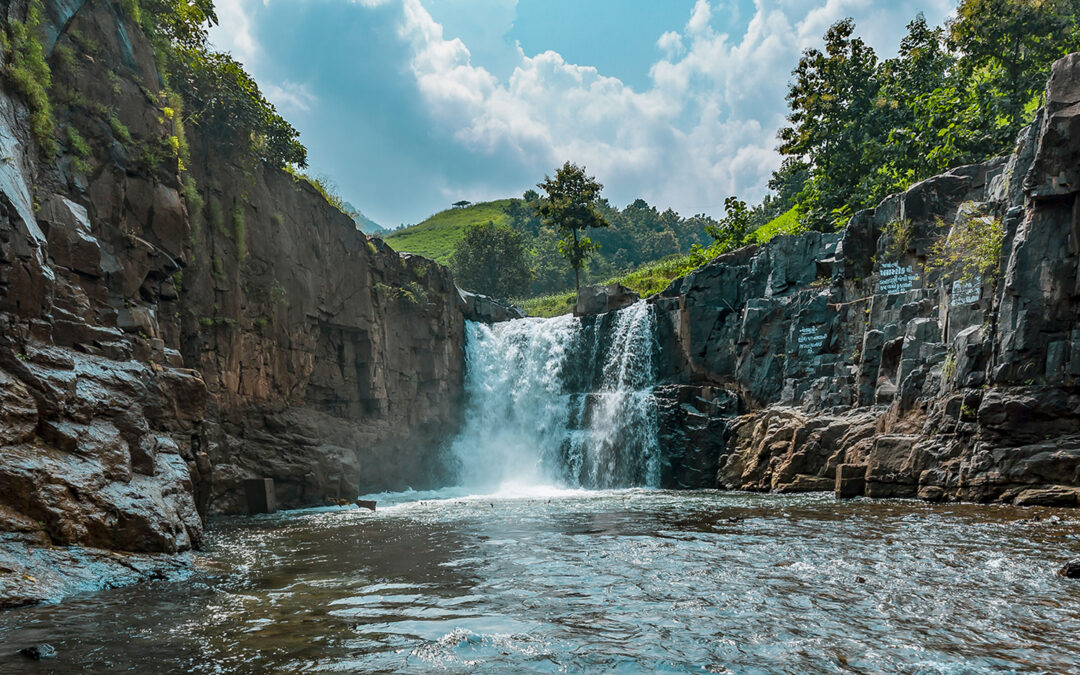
(561, 401)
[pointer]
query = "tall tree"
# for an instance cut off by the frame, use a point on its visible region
(732, 230)
(571, 207)
(834, 123)
(1011, 44)
(492, 259)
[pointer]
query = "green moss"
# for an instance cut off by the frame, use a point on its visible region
(77, 143)
(239, 232)
(206, 322)
(80, 151)
(217, 219)
(194, 204)
(120, 131)
(114, 82)
(65, 57)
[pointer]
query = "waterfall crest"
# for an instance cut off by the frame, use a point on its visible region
(561, 401)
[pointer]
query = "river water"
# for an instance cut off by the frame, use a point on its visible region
(573, 580)
(603, 573)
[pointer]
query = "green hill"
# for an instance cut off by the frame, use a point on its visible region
(437, 236)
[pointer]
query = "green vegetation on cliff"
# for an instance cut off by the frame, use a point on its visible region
(861, 128)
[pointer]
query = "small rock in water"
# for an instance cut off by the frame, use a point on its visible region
(38, 652)
(860, 580)
(1071, 569)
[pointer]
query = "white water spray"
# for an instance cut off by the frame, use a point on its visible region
(553, 401)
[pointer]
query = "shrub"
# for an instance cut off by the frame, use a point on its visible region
(970, 250)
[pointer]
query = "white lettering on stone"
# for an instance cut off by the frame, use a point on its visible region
(966, 292)
(811, 339)
(893, 279)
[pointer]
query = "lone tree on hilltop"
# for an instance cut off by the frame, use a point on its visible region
(570, 206)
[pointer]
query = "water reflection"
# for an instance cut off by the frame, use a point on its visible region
(626, 580)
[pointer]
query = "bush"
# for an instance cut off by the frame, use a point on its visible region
(29, 74)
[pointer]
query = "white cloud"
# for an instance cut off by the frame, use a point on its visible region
(290, 96)
(234, 33)
(704, 130)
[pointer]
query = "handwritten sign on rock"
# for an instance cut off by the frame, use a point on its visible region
(811, 339)
(966, 292)
(894, 278)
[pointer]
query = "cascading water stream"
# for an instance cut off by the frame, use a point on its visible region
(561, 401)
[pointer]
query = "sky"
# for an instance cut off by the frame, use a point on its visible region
(410, 105)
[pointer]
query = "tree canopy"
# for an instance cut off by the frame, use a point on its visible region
(492, 259)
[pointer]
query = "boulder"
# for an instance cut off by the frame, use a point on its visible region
(485, 309)
(593, 300)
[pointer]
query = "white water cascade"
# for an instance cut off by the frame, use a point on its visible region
(561, 402)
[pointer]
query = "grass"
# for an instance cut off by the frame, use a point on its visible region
(437, 236)
(646, 280)
(555, 304)
(785, 223)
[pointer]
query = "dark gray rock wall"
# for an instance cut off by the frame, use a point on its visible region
(849, 348)
(166, 334)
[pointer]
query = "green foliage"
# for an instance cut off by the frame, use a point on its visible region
(571, 208)
(277, 293)
(861, 129)
(734, 228)
(122, 133)
(491, 259)
(220, 97)
(971, 250)
(24, 66)
(80, 151)
(898, 235)
(638, 234)
(647, 280)
(227, 105)
(833, 98)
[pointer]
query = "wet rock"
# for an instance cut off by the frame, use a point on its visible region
(850, 480)
(1070, 570)
(1057, 495)
(593, 300)
(485, 309)
(38, 652)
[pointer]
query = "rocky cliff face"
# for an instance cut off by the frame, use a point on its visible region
(167, 333)
(851, 349)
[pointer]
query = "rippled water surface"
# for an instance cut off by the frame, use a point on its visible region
(583, 581)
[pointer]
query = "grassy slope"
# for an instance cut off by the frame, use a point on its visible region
(655, 276)
(437, 236)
